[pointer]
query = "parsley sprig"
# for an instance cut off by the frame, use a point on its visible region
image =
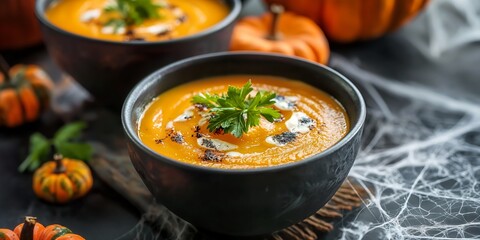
(65, 141)
(236, 111)
(131, 12)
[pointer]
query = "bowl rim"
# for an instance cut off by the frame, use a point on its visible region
(130, 130)
(232, 16)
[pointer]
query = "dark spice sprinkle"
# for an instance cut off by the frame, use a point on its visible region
(177, 137)
(200, 107)
(196, 129)
(197, 132)
(280, 97)
(210, 155)
(305, 120)
(208, 143)
(163, 33)
(219, 131)
(280, 119)
(182, 19)
(158, 141)
(187, 117)
(132, 39)
(284, 138)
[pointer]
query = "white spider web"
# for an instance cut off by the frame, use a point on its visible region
(420, 161)
(421, 155)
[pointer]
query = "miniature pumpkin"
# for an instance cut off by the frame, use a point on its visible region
(352, 20)
(32, 230)
(7, 234)
(280, 32)
(62, 180)
(24, 93)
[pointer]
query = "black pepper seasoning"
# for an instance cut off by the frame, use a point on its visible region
(284, 138)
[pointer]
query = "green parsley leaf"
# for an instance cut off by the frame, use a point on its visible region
(116, 24)
(131, 12)
(69, 132)
(236, 112)
(206, 99)
(39, 149)
(82, 151)
(65, 142)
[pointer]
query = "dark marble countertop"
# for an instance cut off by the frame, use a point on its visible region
(420, 160)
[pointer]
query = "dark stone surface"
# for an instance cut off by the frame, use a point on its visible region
(104, 215)
(101, 211)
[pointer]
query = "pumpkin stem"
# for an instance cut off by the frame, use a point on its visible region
(4, 67)
(276, 11)
(28, 228)
(59, 167)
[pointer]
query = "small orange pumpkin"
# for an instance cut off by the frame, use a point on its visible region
(32, 230)
(281, 32)
(24, 93)
(352, 20)
(7, 234)
(29, 229)
(62, 180)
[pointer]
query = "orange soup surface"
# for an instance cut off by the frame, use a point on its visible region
(177, 18)
(311, 122)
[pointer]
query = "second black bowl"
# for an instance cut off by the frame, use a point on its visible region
(109, 69)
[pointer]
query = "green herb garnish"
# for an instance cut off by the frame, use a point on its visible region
(236, 111)
(65, 141)
(131, 12)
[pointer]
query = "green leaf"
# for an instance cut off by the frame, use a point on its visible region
(206, 99)
(69, 132)
(81, 151)
(133, 12)
(222, 119)
(39, 150)
(116, 24)
(110, 8)
(236, 111)
(40, 146)
(246, 89)
(239, 128)
(269, 114)
(253, 119)
(267, 99)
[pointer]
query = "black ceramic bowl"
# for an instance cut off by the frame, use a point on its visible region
(251, 201)
(109, 69)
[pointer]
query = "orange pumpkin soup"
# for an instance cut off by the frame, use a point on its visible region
(173, 19)
(311, 122)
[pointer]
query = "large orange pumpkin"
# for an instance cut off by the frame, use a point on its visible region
(18, 26)
(352, 20)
